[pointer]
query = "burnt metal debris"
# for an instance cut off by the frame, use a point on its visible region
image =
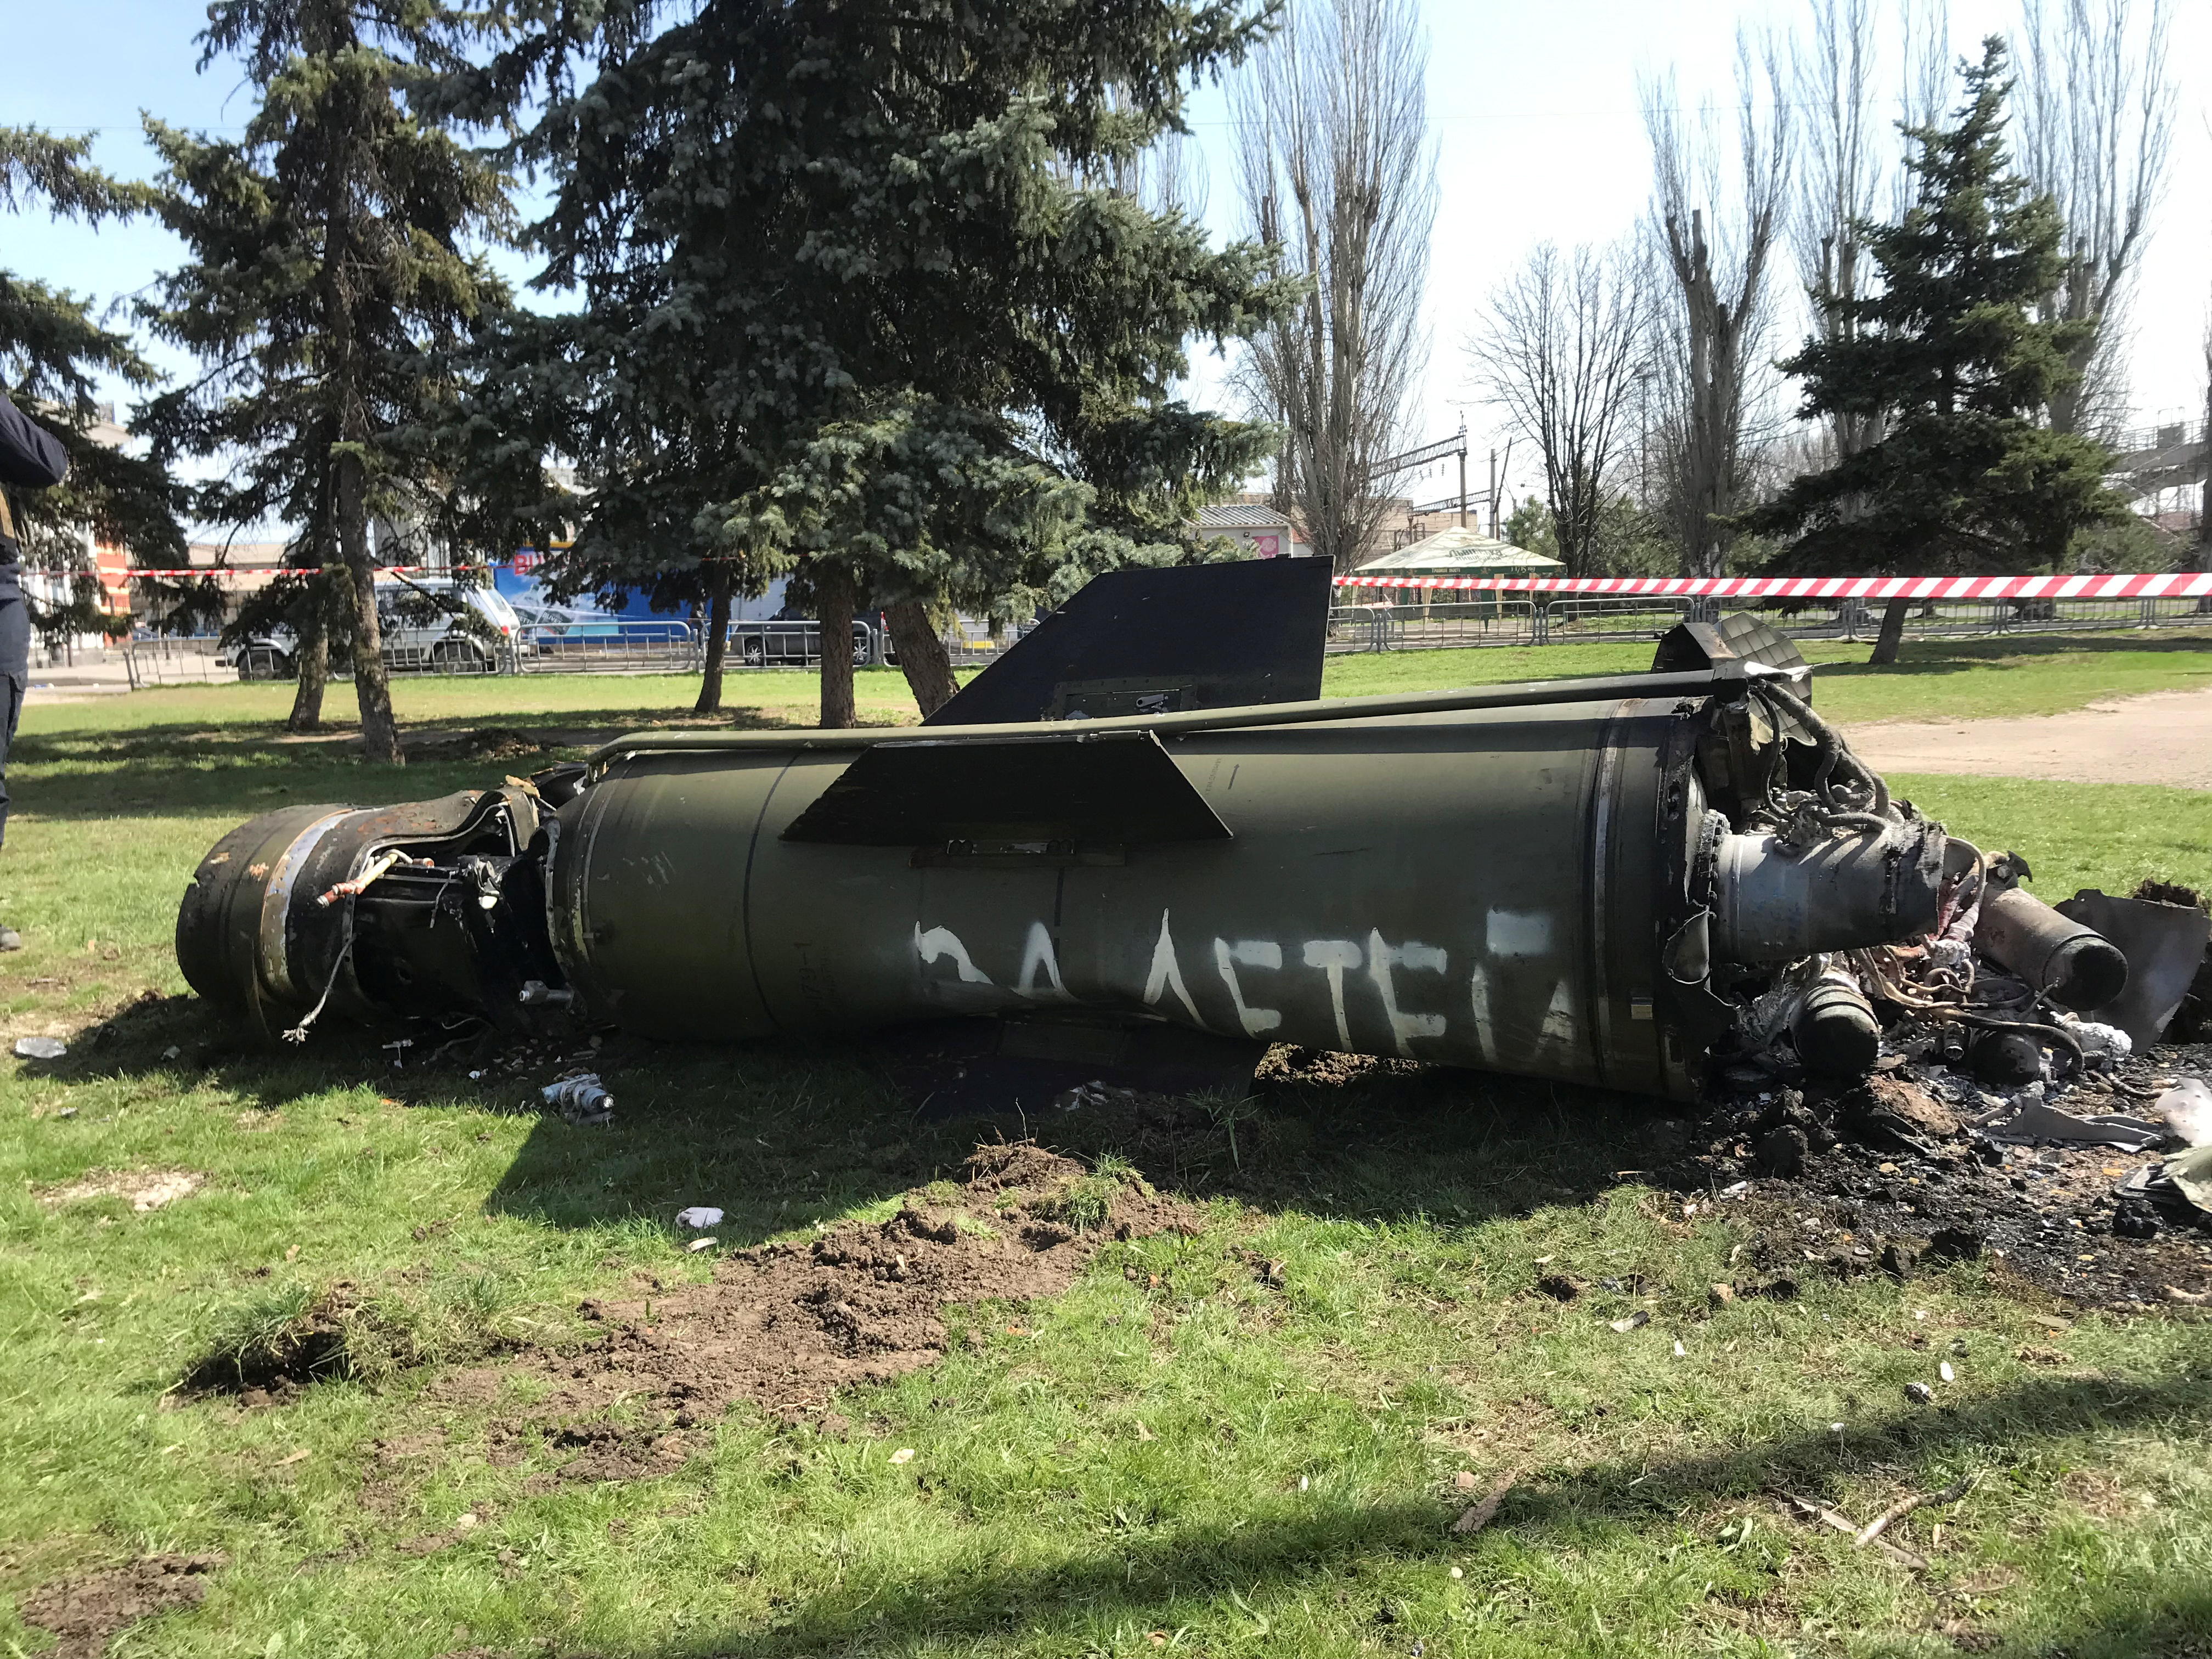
(1651, 882)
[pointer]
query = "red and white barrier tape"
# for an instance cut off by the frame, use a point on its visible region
(2184, 585)
(171, 572)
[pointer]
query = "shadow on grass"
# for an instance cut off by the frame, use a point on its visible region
(1170, 1577)
(190, 768)
(780, 1133)
(2005, 651)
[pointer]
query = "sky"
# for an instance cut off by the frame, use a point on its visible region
(1533, 109)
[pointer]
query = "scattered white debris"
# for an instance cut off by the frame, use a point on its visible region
(699, 1215)
(903, 1455)
(2036, 1123)
(40, 1048)
(1945, 1371)
(1634, 1321)
(1096, 1092)
(699, 1244)
(2186, 1108)
(2102, 1046)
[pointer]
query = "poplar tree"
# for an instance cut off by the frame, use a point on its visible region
(1948, 358)
(54, 348)
(335, 279)
(864, 302)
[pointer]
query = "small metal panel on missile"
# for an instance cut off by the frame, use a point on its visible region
(1190, 636)
(1053, 792)
(1735, 637)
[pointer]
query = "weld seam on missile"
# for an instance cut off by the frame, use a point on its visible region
(1526, 694)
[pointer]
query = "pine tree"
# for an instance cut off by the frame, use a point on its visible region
(54, 348)
(1948, 358)
(334, 282)
(852, 296)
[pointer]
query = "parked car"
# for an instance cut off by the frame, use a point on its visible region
(412, 641)
(793, 641)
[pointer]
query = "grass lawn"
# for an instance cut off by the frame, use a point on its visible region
(1179, 1454)
(1956, 679)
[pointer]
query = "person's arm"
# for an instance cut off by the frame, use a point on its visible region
(31, 457)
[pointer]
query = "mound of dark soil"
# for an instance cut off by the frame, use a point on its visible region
(486, 742)
(83, 1611)
(312, 1347)
(785, 1326)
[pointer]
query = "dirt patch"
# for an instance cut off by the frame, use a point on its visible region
(82, 1612)
(1287, 1063)
(2164, 737)
(145, 1189)
(485, 742)
(784, 1325)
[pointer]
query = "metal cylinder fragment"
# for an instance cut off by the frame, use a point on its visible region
(1835, 1030)
(1779, 903)
(2075, 966)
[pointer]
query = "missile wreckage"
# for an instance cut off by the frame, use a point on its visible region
(1142, 824)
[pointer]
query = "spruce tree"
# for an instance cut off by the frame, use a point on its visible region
(1946, 357)
(863, 299)
(335, 279)
(54, 348)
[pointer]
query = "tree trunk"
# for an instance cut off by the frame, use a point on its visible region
(1893, 631)
(2202, 557)
(922, 656)
(833, 593)
(313, 662)
(718, 640)
(372, 687)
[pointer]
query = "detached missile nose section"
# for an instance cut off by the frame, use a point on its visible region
(1590, 880)
(431, 910)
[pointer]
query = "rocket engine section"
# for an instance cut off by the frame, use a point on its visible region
(1588, 880)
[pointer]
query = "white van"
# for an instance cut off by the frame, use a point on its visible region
(415, 639)
(412, 639)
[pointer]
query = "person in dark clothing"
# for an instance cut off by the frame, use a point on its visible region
(31, 458)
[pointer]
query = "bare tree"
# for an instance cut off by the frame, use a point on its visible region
(2202, 557)
(1926, 27)
(1834, 78)
(1336, 165)
(1558, 350)
(2095, 113)
(1716, 240)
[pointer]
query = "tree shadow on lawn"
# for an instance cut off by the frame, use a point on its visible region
(192, 768)
(780, 1133)
(2001, 651)
(1171, 1578)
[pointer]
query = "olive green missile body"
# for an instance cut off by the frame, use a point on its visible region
(1584, 880)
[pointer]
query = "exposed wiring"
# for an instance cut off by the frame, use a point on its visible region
(299, 1033)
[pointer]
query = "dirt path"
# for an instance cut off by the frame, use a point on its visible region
(2164, 737)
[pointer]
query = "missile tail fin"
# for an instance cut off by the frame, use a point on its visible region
(1146, 641)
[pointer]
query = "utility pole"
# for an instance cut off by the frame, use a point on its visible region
(1493, 494)
(1463, 480)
